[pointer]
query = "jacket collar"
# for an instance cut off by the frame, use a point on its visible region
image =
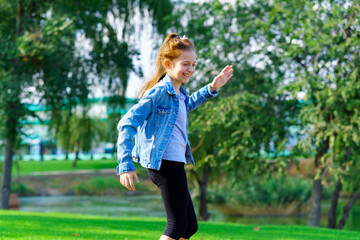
(170, 87)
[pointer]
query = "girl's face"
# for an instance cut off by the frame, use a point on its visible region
(181, 68)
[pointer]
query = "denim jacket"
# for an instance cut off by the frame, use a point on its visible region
(151, 122)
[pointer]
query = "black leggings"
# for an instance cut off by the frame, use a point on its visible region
(172, 182)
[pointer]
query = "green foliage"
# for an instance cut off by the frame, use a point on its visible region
(106, 186)
(322, 50)
(80, 131)
(264, 191)
(280, 51)
(251, 113)
(22, 190)
(96, 186)
(52, 52)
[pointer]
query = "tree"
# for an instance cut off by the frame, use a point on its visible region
(84, 132)
(319, 42)
(39, 59)
(308, 47)
(251, 113)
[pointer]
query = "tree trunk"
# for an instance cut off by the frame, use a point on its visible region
(76, 154)
(6, 181)
(12, 120)
(76, 159)
(41, 151)
(315, 202)
(334, 202)
(346, 210)
(203, 211)
(67, 135)
(336, 194)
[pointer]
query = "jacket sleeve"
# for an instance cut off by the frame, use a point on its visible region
(127, 127)
(200, 96)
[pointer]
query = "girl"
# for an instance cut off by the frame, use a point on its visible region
(158, 122)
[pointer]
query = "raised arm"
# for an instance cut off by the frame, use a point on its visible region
(200, 96)
(209, 90)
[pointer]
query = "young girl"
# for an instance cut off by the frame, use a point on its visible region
(158, 123)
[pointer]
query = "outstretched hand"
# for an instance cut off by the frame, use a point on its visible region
(126, 179)
(221, 79)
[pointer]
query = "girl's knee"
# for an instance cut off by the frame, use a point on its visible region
(194, 228)
(191, 230)
(175, 230)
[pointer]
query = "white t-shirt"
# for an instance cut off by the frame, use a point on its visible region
(175, 150)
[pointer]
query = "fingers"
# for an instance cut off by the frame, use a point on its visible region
(225, 69)
(131, 184)
(229, 69)
(136, 178)
(126, 179)
(227, 72)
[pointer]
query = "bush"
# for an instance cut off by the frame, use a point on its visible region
(109, 185)
(22, 190)
(265, 191)
(96, 186)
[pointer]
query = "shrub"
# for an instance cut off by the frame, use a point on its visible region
(265, 191)
(22, 190)
(109, 185)
(96, 186)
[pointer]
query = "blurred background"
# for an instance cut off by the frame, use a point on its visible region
(279, 145)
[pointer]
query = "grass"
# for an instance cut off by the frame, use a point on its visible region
(63, 165)
(30, 225)
(27, 167)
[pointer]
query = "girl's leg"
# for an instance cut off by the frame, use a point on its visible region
(192, 225)
(192, 222)
(172, 182)
(163, 237)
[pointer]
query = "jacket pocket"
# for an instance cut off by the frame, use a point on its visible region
(162, 110)
(161, 114)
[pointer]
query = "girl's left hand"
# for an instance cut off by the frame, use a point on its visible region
(221, 79)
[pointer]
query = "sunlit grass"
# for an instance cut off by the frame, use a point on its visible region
(27, 167)
(26, 225)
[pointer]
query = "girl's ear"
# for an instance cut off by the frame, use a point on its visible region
(167, 63)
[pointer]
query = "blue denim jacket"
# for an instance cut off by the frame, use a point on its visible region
(151, 121)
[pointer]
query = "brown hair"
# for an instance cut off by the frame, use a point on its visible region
(169, 50)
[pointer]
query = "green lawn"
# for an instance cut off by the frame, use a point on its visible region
(63, 165)
(29, 225)
(27, 167)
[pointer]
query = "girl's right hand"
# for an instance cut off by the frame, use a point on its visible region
(126, 179)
